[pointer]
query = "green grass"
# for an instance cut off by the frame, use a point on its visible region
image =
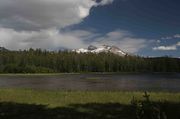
(55, 98)
(54, 104)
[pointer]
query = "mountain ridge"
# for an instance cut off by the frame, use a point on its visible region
(103, 48)
(3, 49)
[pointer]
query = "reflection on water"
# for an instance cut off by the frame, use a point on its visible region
(95, 82)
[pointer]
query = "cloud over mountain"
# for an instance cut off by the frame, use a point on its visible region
(124, 40)
(36, 24)
(45, 39)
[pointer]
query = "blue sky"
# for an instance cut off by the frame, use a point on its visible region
(149, 19)
(143, 27)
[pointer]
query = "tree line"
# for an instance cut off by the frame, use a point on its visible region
(42, 61)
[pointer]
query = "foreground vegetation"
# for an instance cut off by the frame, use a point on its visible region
(43, 104)
(38, 61)
(54, 98)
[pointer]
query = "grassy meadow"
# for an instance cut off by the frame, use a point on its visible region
(56, 104)
(55, 98)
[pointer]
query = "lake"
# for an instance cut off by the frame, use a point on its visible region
(95, 82)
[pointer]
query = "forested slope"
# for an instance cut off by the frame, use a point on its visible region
(38, 61)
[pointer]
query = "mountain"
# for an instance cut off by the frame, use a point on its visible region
(3, 49)
(104, 48)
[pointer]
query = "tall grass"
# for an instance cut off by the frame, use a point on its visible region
(56, 98)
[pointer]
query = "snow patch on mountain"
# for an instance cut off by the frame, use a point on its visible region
(104, 48)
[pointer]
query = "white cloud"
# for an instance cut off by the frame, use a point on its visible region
(165, 48)
(45, 39)
(105, 2)
(177, 36)
(171, 37)
(166, 38)
(178, 44)
(43, 14)
(158, 41)
(33, 24)
(124, 40)
(53, 39)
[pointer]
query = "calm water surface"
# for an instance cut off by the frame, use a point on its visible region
(95, 82)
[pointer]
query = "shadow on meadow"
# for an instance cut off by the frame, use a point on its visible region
(10, 110)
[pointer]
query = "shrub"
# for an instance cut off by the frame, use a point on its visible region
(146, 109)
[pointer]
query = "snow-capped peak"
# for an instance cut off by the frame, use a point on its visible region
(104, 48)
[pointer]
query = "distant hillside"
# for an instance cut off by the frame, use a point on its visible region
(38, 61)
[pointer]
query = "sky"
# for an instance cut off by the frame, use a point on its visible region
(142, 27)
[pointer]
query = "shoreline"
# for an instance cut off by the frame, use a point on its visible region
(105, 73)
